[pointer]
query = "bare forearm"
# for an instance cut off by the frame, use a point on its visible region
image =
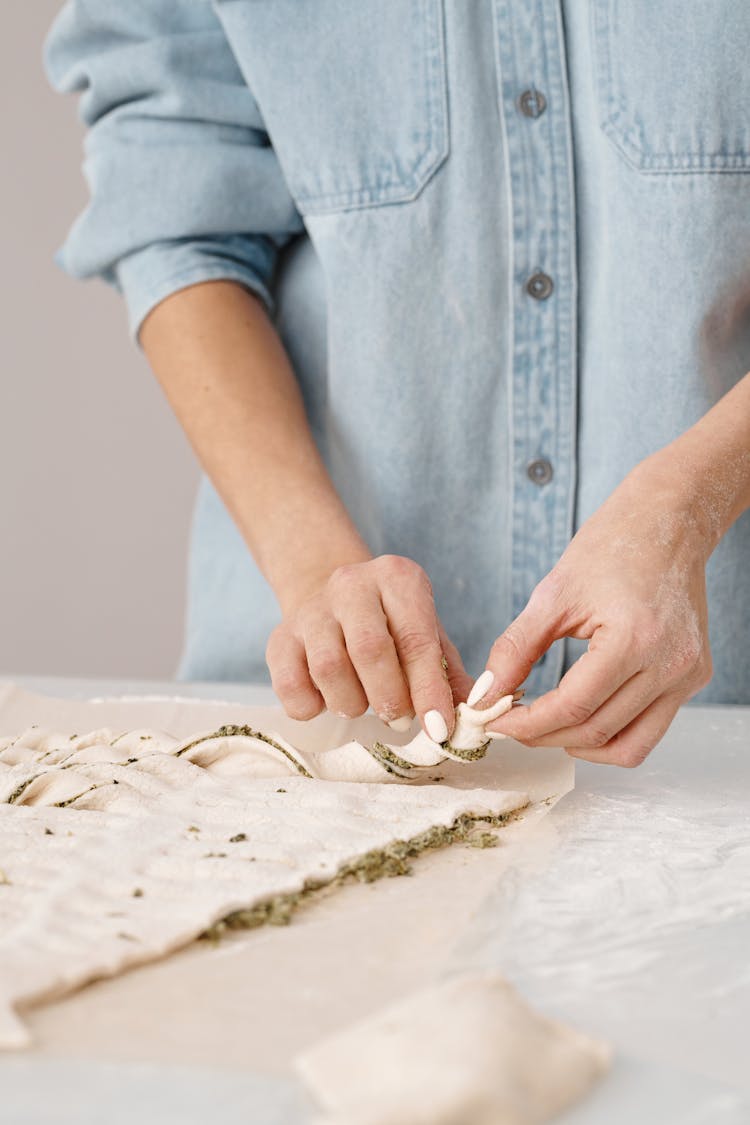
(228, 379)
(721, 441)
(709, 465)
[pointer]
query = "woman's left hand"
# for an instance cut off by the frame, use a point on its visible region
(632, 582)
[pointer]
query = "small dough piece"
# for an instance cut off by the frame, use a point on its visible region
(465, 1052)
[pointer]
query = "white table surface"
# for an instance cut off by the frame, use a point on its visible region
(629, 918)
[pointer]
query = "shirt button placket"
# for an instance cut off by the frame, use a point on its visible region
(537, 127)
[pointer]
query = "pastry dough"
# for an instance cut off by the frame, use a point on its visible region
(468, 1050)
(118, 847)
(38, 757)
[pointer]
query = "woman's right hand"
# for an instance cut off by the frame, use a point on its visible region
(356, 635)
(368, 635)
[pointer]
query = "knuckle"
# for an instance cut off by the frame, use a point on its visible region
(630, 757)
(301, 710)
(550, 590)
(452, 655)
(344, 577)
(575, 713)
(326, 664)
(355, 709)
(369, 646)
(691, 654)
(398, 564)
(391, 707)
(427, 684)
(277, 641)
(403, 569)
(288, 682)
(705, 672)
(700, 678)
(425, 585)
(422, 581)
(593, 737)
(415, 644)
(682, 663)
(509, 643)
(641, 631)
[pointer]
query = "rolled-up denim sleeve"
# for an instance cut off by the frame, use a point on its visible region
(184, 184)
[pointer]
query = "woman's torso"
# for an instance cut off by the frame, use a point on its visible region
(526, 266)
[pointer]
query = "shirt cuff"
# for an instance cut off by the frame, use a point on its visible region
(148, 276)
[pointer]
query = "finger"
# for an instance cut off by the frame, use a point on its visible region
(515, 651)
(621, 709)
(412, 622)
(373, 653)
(330, 667)
(632, 745)
(290, 677)
(459, 680)
(592, 680)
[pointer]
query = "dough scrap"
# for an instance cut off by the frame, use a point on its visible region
(468, 1051)
(118, 848)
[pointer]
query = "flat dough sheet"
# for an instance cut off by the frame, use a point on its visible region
(163, 847)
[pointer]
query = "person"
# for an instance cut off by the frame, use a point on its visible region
(453, 302)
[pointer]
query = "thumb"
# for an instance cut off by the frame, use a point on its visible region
(517, 649)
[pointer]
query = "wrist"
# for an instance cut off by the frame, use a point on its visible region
(714, 459)
(674, 486)
(705, 473)
(299, 532)
(295, 584)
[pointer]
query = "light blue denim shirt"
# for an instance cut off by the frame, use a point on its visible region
(507, 246)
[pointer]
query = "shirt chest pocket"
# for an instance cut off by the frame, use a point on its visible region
(673, 80)
(352, 93)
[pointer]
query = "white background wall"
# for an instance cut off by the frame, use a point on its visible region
(96, 477)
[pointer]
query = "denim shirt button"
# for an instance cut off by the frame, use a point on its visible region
(540, 471)
(539, 286)
(532, 103)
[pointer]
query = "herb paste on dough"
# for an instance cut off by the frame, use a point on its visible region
(119, 847)
(469, 1050)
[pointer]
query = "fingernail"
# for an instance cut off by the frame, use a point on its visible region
(495, 735)
(401, 725)
(481, 687)
(435, 726)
